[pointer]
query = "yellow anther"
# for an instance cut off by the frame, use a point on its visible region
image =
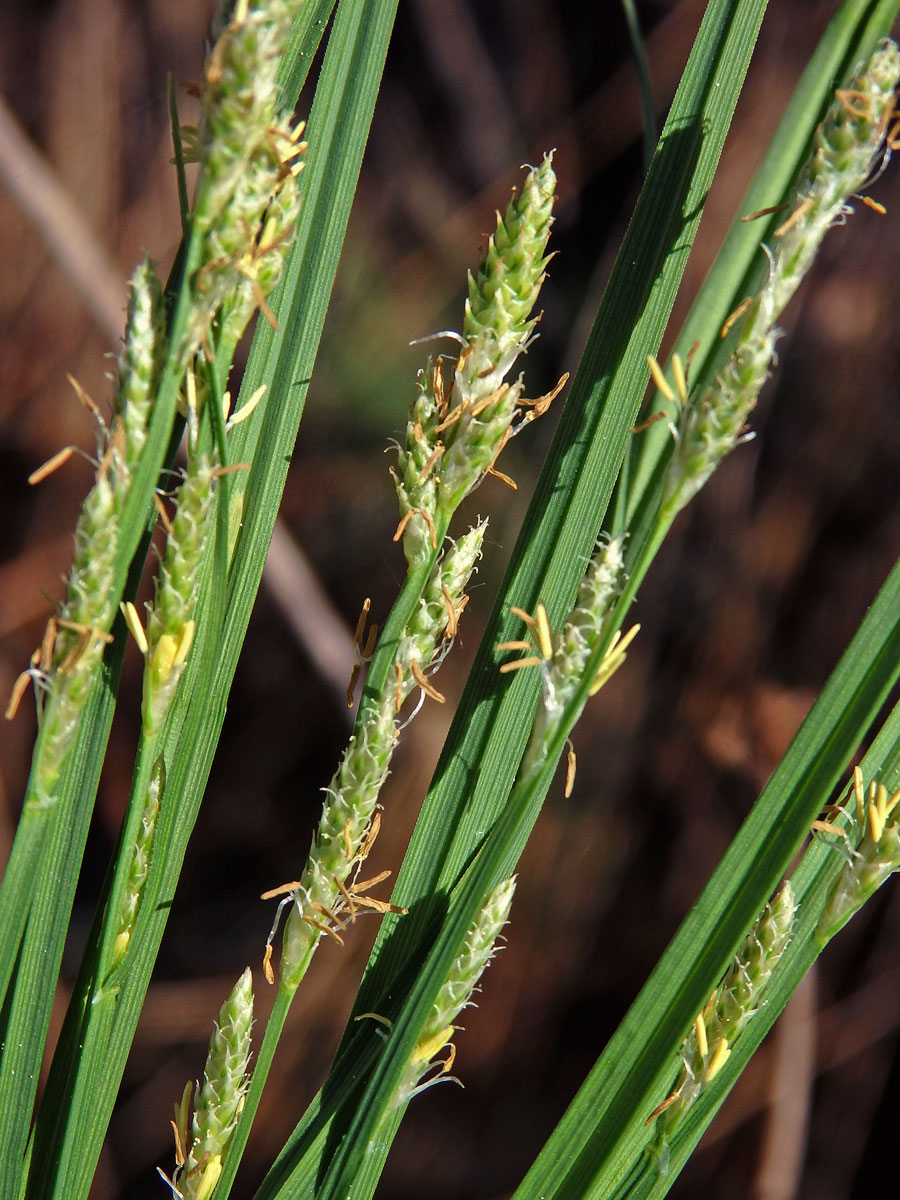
(423, 683)
(504, 478)
(797, 215)
(432, 533)
(700, 1027)
(431, 460)
(544, 632)
(874, 205)
(735, 316)
(135, 628)
(361, 621)
(85, 399)
(660, 415)
(283, 889)
(662, 384)
(185, 641)
(163, 658)
(859, 794)
(163, 515)
(190, 387)
(720, 1054)
(452, 626)
(18, 691)
(426, 1050)
(613, 659)
(208, 1180)
(371, 638)
(247, 409)
(524, 616)
(351, 686)
(876, 821)
(518, 663)
(828, 827)
(680, 378)
(764, 212)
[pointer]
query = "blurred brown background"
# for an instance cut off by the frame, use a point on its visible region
(743, 616)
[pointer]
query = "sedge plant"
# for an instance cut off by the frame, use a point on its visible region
(260, 237)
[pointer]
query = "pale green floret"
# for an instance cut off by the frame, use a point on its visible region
(458, 426)
(848, 148)
(140, 359)
(456, 991)
(247, 196)
(586, 624)
(221, 1098)
(734, 1002)
(170, 625)
(261, 267)
(140, 864)
(870, 864)
(339, 844)
(429, 623)
(89, 607)
(505, 288)
(86, 614)
(714, 421)
(240, 97)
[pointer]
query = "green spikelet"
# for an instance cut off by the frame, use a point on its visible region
(872, 859)
(734, 1002)
(344, 833)
(848, 146)
(456, 993)
(221, 1098)
(170, 624)
(563, 657)
(140, 864)
(457, 428)
(140, 360)
(250, 157)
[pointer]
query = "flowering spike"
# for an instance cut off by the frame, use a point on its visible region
(343, 839)
(848, 146)
(140, 360)
(140, 863)
(247, 198)
(733, 1003)
(219, 1103)
(456, 431)
(456, 993)
(170, 624)
(876, 856)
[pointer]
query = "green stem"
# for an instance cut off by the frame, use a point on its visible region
(648, 110)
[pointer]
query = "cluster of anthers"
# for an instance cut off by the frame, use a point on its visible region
(41, 668)
(352, 898)
(871, 812)
(466, 411)
(545, 642)
(51, 657)
(871, 848)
